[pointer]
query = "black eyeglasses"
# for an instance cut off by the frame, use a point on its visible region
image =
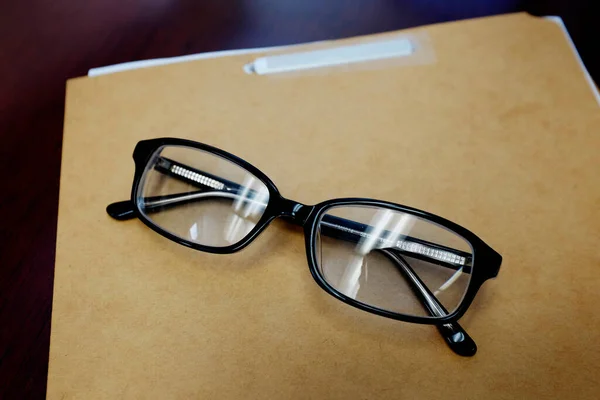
(380, 257)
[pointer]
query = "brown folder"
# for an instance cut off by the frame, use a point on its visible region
(499, 132)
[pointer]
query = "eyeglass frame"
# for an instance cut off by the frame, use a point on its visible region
(308, 217)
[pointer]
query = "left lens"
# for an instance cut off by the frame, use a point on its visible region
(393, 261)
(200, 197)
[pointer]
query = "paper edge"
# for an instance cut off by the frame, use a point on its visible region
(154, 62)
(558, 20)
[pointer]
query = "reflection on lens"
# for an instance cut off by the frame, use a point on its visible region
(201, 197)
(392, 260)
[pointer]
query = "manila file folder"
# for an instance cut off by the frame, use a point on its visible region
(497, 131)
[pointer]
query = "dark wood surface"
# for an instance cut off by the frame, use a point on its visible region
(44, 43)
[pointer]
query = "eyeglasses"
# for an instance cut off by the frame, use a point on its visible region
(380, 257)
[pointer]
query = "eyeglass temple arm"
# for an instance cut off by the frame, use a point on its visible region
(124, 210)
(331, 226)
(354, 232)
(454, 335)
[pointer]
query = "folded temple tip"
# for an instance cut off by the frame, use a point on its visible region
(458, 340)
(122, 210)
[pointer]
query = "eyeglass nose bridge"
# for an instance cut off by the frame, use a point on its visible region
(292, 211)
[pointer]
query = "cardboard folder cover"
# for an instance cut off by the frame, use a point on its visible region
(498, 133)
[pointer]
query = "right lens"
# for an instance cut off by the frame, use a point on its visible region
(200, 197)
(392, 260)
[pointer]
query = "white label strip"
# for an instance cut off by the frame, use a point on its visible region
(398, 47)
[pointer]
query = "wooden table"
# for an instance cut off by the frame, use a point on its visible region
(44, 43)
